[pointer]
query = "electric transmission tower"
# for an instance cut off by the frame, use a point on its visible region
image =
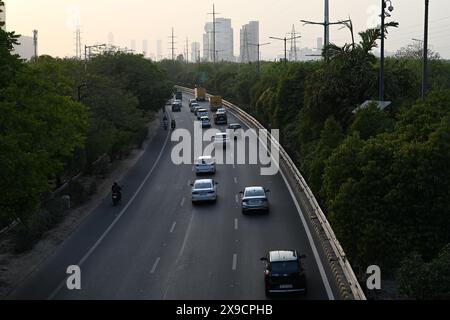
(293, 56)
(172, 45)
(78, 43)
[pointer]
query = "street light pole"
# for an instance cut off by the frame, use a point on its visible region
(285, 39)
(258, 45)
(425, 53)
(383, 17)
(381, 93)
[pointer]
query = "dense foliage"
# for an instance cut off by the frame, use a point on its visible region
(382, 176)
(56, 118)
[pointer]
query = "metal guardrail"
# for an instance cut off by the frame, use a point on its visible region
(340, 257)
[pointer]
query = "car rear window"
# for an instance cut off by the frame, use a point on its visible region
(202, 185)
(255, 193)
(285, 267)
(204, 161)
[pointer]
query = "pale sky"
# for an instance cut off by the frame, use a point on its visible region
(152, 20)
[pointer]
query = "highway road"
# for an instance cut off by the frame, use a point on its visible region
(157, 245)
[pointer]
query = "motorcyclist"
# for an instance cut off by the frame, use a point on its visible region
(116, 188)
(174, 124)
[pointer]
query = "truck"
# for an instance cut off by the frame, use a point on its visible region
(179, 95)
(200, 94)
(215, 102)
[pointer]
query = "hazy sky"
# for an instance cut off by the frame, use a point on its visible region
(152, 20)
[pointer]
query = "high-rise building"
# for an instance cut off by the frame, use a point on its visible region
(110, 39)
(224, 41)
(26, 47)
(249, 38)
(3, 16)
(159, 50)
(195, 51)
(145, 47)
(319, 44)
(207, 42)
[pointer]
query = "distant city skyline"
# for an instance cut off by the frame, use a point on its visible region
(139, 20)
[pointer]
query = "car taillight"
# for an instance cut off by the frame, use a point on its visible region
(266, 273)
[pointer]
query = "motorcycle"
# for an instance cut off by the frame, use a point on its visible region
(116, 198)
(174, 125)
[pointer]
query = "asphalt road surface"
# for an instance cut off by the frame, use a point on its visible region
(157, 245)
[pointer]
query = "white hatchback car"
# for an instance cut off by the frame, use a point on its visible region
(204, 190)
(205, 164)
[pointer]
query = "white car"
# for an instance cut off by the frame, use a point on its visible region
(204, 190)
(192, 101)
(193, 106)
(202, 113)
(205, 164)
(221, 140)
(206, 123)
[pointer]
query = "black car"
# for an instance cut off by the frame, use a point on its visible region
(284, 272)
(176, 107)
(220, 118)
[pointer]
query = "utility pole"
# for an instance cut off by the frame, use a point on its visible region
(87, 53)
(384, 14)
(214, 13)
(35, 43)
(172, 45)
(326, 25)
(285, 39)
(259, 45)
(425, 53)
(187, 50)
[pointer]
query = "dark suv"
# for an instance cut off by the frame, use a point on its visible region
(284, 272)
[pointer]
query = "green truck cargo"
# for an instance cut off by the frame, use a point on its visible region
(215, 102)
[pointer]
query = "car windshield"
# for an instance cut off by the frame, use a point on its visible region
(202, 185)
(205, 161)
(255, 193)
(285, 267)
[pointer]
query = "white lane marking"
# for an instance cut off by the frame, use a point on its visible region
(182, 201)
(155, 265)
(236, 224)
(323, 275)
(234, 166)
(234, 266)
(235, 180)
(189, 183)
(237, 198)
(173, 227)
(183, 246)
(108, 230)
(193, 168)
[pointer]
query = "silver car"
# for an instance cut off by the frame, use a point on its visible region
(204, 190)
(205, 164)
(255, 199)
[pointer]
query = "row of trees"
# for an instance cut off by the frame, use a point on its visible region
(56, 118)
(381, 175)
